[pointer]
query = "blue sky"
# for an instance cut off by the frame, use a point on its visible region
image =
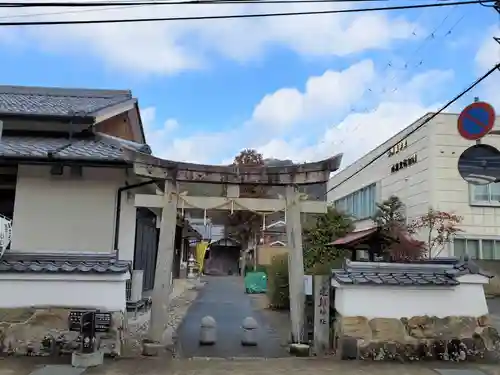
(292, 87)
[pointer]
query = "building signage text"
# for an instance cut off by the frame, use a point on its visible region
(405, 163)
(398, 148)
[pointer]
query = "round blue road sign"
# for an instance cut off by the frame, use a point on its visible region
(476, 120)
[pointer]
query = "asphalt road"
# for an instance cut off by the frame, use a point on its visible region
(224, 298)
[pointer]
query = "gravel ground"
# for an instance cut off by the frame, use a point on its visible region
(285, 366)
(138, 328)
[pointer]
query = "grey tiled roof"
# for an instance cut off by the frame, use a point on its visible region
(26, 266)
(19, 100)
(421, 273)
(38, 147)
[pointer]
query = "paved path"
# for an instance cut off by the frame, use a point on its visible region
(224, 299)
(281, 366)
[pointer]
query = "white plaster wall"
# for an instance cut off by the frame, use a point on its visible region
(106, 292)
(433, 182)
(126, 235)
(400, 302)
(412, 185)
(451, 191)
(64, 213)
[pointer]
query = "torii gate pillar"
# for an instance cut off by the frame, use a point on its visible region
(296, 263)
(171, 173)
(164, 264)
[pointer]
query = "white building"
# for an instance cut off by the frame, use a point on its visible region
(421, 169)
(69, 192)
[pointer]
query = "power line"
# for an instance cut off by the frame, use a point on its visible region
(109, 7)
(237, 16)
(407, 67)
(31, 15)
(164, 2)
(427, 120)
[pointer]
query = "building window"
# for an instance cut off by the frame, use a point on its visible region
(361, 204)
(485, 194)
(488, 249)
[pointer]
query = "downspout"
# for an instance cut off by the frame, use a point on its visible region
(119, 208)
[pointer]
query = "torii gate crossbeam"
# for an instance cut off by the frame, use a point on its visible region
(294, 203)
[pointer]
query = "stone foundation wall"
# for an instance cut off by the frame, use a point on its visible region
(43, 331)
(454, 338)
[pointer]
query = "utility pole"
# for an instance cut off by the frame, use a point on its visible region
(497, 8)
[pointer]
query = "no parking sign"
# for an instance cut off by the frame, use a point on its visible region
(476, 120)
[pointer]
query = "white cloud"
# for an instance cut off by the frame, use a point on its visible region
(353, 135)
(358, 133)
(487, 56)
(170, 125)
(323, 94)
(148, 116)
(169, 47)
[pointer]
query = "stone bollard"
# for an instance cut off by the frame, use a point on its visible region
(208, 331)
(190, 266)
(250, 327)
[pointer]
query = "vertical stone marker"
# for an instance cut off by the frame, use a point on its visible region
(321, 314)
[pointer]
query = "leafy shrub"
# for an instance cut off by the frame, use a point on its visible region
(277, 282)
(321, 230)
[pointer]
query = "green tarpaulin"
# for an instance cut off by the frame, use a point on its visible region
(256, 282)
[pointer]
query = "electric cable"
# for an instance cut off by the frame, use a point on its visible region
(112, 5)
(237, 16)
(92, 4)
(431, 36)
(426, 121)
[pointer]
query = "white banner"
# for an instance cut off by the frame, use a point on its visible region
(5, 233)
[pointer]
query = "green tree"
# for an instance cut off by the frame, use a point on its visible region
(390, 214)
(391, 220)
(319, 233)
(249, 158)
(243, 225)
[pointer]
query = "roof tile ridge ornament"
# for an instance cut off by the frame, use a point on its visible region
(467, 264)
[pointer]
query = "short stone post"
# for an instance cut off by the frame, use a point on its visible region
(208, 331)
(250, 327)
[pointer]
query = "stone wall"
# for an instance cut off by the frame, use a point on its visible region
(453, 338)
(43, 331)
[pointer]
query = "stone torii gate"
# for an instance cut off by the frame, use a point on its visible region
(294, 203)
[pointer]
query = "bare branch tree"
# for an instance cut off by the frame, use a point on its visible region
(440, 228)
